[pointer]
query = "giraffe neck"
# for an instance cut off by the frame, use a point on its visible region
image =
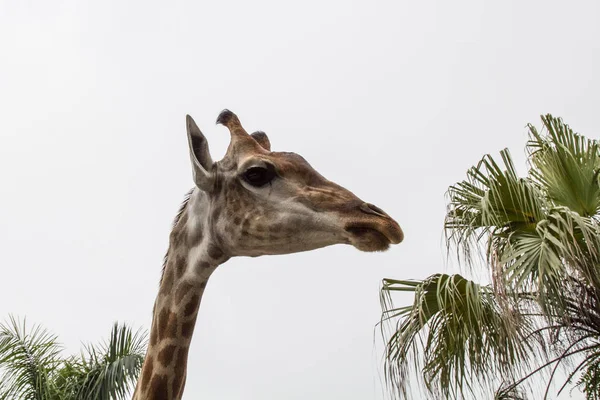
(190, 260)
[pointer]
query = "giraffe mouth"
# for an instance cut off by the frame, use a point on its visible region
(366, 238)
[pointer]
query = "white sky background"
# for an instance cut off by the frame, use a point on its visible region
(394, 100)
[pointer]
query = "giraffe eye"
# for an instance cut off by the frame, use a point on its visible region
(259, 176)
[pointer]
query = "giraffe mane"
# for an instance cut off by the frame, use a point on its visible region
(182, 208)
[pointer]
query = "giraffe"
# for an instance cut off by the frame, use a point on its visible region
(253, 202)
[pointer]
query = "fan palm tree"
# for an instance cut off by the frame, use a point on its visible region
(538, 239)
(32, 367)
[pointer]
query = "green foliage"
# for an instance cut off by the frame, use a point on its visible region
(455, 332)
(539, 239)
(590, 381)
(31, 366)
(28, 360)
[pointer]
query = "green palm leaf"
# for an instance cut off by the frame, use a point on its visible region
(110, 370)
(27, 361)
(566, 166)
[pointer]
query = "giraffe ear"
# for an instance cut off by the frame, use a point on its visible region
(200, 156)
(261, 138)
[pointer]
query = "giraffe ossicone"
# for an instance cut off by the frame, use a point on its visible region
(252, 202)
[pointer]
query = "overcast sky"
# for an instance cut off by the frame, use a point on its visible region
(391, 99)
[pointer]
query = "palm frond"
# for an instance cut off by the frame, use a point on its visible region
(28, 358)
(456, 333)
(492, 201)
(509, 392)
(566, 165)
(590, 379)
(109, 370)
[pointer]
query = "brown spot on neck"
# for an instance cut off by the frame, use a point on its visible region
(180, 264)
(163, 319)
(158, 389)
(180, 371)
(215, 252)
(165, 356)
(203, 266)
(192, 305)
(187, 329)
(195, 236)
(182, 291)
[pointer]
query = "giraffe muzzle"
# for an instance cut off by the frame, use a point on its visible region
(373, 229)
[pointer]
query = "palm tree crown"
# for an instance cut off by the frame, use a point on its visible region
(32, 368)
(538, 237)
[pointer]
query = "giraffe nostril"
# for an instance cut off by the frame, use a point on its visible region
(372, 209)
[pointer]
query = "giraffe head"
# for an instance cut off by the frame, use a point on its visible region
(265, 202)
